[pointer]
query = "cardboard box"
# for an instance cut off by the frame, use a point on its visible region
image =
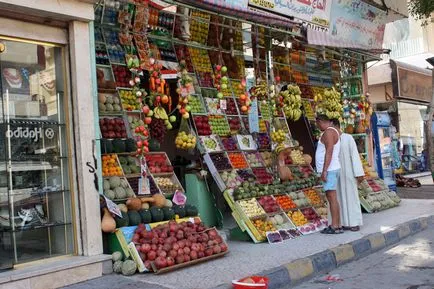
(27, 108)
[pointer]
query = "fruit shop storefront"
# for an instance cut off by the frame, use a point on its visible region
(404, 91)
(47, 189)
(192, 107)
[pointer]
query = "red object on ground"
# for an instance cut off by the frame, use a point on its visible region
(238, 284)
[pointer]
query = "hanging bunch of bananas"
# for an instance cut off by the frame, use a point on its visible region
(329, 104)
(290, 100)
(260, 91)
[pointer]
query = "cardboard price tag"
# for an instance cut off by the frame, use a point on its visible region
(144, 186)
(112, 207)
(223, 104)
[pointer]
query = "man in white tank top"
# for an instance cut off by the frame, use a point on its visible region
(328, 165)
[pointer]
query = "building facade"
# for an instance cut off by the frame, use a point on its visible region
(49, 179)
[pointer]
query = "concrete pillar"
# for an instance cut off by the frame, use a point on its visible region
(85, 135)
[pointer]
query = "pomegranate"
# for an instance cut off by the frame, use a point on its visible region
(179, 259)
(160, 262)
(180, 251)
(217, 249)
(193, 255)
(187, 250)
(145, 248)
(170, 261)
(175, 246)
(181, 244)
(167, 247)
(209, 252)
(173, 253)
(212, 234)
(223, 247)
(187, 258)
(151, 255)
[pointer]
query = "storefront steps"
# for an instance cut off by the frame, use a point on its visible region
(56, 272)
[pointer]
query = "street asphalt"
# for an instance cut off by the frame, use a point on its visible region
(408, 265)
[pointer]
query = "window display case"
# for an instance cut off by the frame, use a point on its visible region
(35, 197)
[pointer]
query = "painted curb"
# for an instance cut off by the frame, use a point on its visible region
(304, 269)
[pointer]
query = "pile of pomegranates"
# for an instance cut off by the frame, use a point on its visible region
(177, 243)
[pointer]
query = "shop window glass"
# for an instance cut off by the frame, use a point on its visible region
(35, 198)
(411, 138)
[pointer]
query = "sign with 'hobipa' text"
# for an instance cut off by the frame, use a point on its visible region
(35, 134)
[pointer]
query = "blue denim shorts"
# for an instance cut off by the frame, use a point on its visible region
(332, 181)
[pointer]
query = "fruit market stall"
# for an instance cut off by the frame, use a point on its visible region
(375, 195)
(171, 70)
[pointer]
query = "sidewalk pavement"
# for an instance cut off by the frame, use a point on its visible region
(292, 261)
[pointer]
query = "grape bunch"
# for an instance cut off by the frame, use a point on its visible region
(158, 129)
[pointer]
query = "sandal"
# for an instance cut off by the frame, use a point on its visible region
(355, 229)
(332, 231)
(352, 229)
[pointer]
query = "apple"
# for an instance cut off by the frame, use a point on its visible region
(146, 110)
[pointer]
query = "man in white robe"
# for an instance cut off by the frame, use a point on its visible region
(351, 173)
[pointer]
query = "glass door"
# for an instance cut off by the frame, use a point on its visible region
(35, 200)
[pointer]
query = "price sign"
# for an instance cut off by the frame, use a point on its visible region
(112, 207)
(144, 186)
(254, 117)
(223, 104)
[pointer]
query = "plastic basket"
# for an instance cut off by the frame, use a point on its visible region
(240, 285)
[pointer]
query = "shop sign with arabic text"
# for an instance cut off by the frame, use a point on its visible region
(358, 22)
(314, 11)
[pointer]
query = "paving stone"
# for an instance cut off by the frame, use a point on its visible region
(300, 269)
(391, 237)
(361, 247)
(343, 254)
(377, 241)
(324, 261)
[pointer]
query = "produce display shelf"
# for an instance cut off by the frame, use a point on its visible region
(132, 111)
(103, 65)
(352, 96)
(352, 77)
(107, 90)
(119, 64)
(102, 114)
(130, 176)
